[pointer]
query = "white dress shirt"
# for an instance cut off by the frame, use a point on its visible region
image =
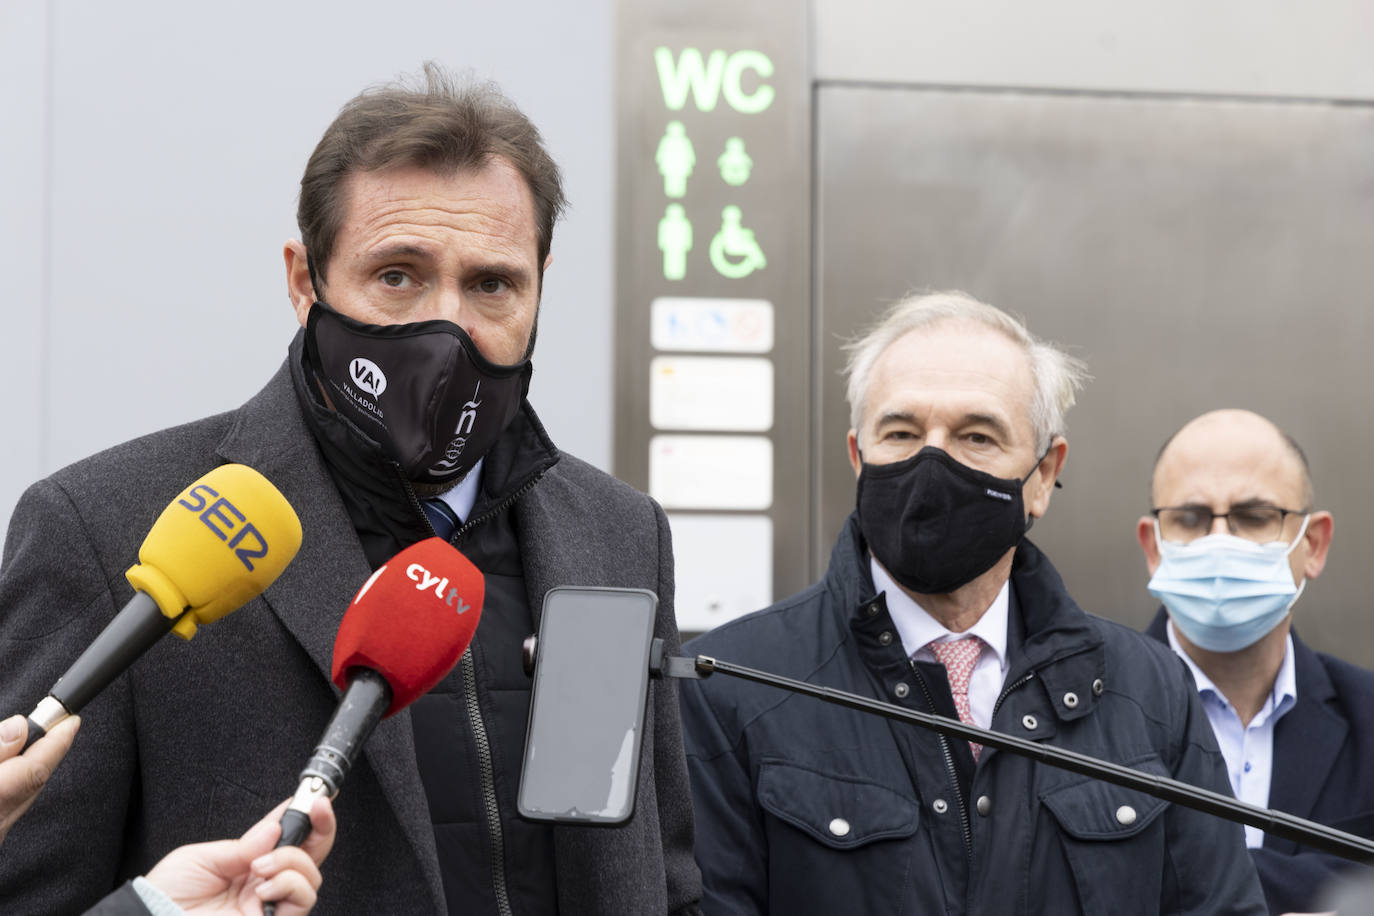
(1248, 749)
(917, 629)
(463, 496)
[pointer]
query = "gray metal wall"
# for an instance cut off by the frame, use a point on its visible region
(1197, 253)
(1183, 193)
(150, 156)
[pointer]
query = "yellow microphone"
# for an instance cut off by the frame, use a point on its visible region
(222, 541)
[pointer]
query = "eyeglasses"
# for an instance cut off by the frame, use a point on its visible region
(1261, 524)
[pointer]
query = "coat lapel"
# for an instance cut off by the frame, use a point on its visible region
(311, 595)
(1307, 739)
(558, 547)
(552, 552)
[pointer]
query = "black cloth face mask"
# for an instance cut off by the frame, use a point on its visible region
(421, 390)
(936, 524)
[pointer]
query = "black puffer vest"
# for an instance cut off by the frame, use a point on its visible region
(470, 729)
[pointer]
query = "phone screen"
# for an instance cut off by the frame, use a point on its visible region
(586, 720)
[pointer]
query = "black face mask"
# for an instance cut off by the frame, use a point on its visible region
(936, 524)
(421, 390)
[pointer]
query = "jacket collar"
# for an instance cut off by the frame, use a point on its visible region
(1056, 640)
(1308, 739)
(309, 598)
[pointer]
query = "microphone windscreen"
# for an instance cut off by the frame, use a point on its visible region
(411, 620)
(222, 541)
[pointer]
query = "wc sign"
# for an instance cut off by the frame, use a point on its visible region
(719, 74)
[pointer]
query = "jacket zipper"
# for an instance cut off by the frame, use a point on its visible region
(953, 773)
(485, 770)
(488, 780)
(410, 494)
(1025, 679)
(498, 508)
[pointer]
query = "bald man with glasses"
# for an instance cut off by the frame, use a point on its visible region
(1231, 541)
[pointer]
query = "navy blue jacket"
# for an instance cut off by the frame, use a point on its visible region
(806, 807)
(1323, 754)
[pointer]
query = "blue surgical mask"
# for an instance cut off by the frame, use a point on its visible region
(1223, 592)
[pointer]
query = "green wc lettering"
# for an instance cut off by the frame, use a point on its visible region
(706, 79)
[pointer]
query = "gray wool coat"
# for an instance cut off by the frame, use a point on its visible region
(197, 740)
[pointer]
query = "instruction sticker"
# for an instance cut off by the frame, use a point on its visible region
(711, 472)
(727, 393)
(711, 325)
(724, 567)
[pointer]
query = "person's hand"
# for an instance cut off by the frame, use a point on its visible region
(236, 876)
(23, 775)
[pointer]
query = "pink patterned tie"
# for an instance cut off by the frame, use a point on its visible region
(960, 656)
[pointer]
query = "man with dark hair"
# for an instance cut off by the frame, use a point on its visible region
(1232, 540)
(426, 219)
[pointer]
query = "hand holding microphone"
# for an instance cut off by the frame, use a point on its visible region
(235, 876)
(22, 776)
(406, 628)
(222, 541)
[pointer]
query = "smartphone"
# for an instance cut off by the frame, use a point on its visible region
(586, 724)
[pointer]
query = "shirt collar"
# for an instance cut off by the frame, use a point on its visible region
(917, 628)
(463, 496)
(1281, 697)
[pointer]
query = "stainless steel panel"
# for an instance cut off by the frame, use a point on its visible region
(1318, 49)
(1198, 253)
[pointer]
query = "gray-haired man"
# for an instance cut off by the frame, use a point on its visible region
(934, 600)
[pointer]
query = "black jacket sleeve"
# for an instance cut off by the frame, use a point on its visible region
(123, 902)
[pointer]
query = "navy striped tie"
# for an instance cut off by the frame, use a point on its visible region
(441, 516)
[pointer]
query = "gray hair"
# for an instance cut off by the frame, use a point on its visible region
(1056, 374)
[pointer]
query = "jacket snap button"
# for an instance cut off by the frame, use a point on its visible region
(885, 637)
(1029, 722)
(1071, 699)
(872, 609)
(901, 690)
(1125, 815)
(839, 827)
(1097, 687)
(940, 806)
(984, 805)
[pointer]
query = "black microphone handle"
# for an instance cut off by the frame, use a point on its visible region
(136, 627)
(140, 624)
(35, 732)
(295, 827)
(363, 704)
(1279, 823)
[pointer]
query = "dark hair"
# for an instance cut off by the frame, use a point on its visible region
(444, 127)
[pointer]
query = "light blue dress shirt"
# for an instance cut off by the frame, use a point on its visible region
(1248, 749)
(463, 495)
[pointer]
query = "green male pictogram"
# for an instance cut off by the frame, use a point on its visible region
(734, 241)
(674, 240)
(735, 164)
(675, 158)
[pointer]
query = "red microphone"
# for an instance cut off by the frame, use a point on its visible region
(404, 631)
